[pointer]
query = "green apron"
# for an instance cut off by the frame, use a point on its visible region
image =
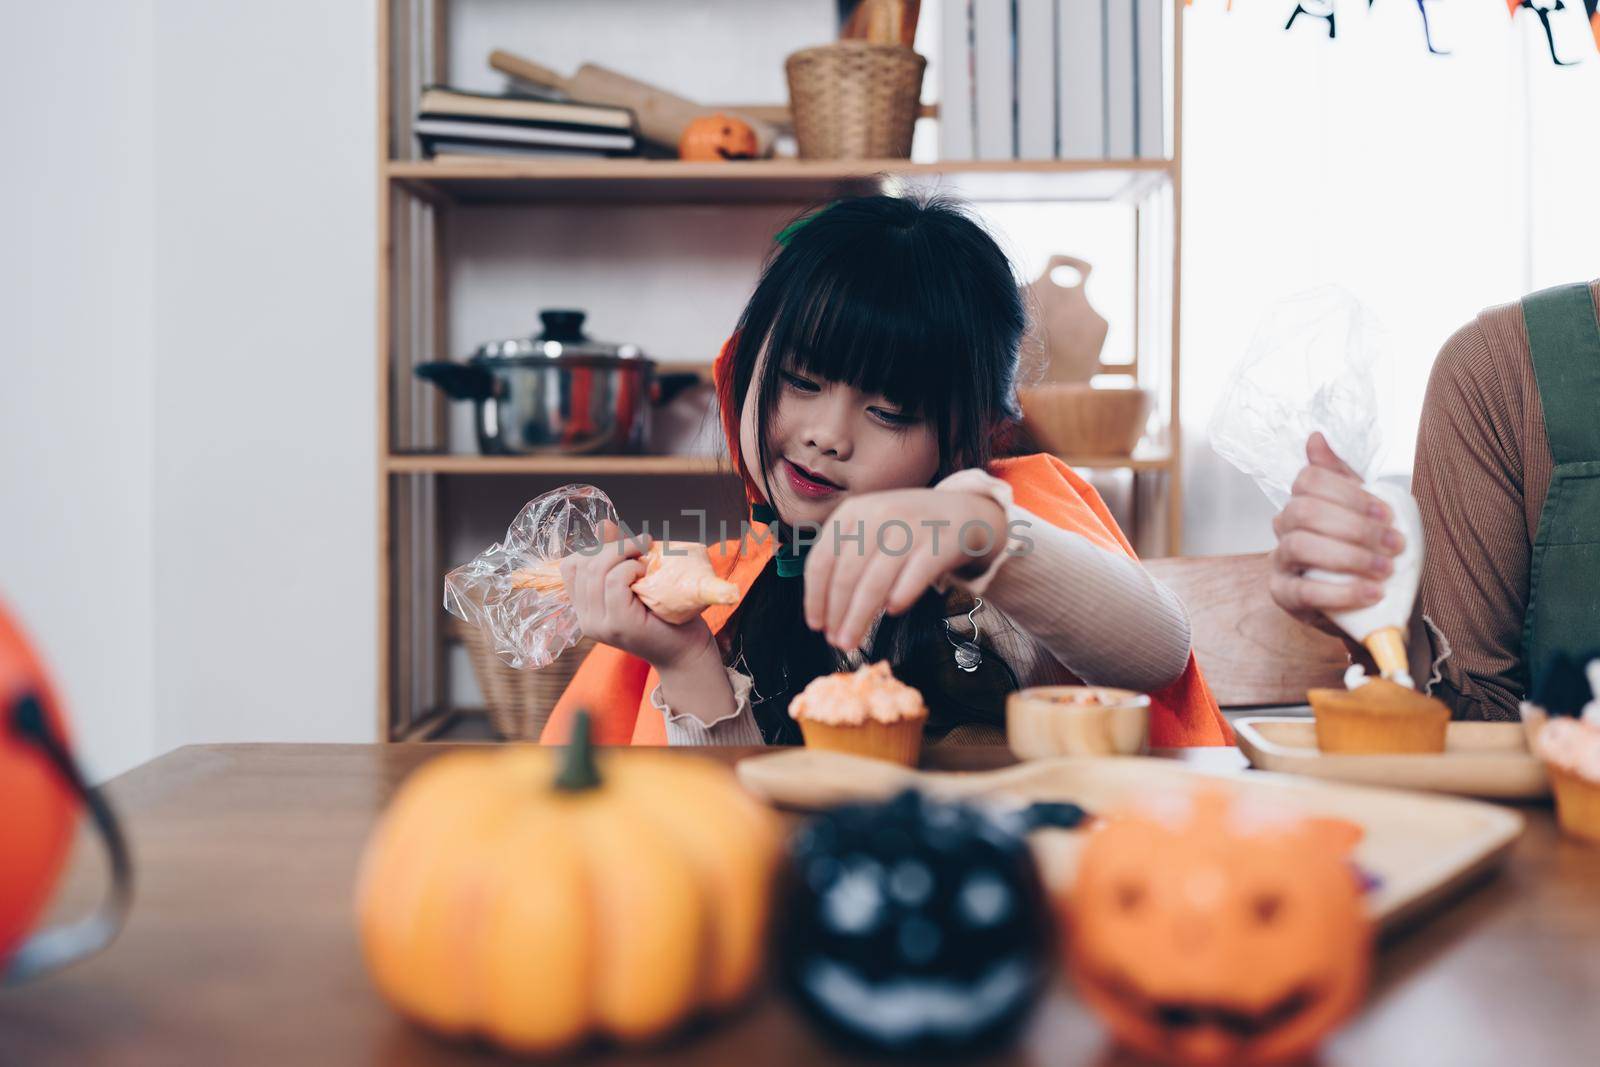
(1564, 577)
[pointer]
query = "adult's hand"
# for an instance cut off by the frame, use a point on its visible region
(1331, 524)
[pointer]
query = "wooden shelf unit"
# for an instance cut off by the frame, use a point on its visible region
(417, 198)
(774, 180)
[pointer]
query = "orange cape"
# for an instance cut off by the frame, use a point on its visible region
(615, 687)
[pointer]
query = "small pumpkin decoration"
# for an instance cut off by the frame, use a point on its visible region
(916, 926)
(711, 138)
(41, 810)
(42, 790)
(1213, 934)
(537, 898)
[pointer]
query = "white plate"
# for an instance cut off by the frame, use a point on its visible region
(1480, 759)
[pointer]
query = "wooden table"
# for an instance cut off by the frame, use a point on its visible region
(241, 947)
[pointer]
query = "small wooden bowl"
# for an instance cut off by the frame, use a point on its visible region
(1075, 418)
(1077, 720)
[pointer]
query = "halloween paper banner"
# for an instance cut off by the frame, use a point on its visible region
(1326, 12)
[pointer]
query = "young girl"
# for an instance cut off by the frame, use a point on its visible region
(863, 395)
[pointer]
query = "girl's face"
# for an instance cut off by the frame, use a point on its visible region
(827, 441)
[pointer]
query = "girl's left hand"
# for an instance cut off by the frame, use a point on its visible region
(908, 539)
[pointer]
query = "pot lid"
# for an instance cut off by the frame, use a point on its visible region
(562, 336)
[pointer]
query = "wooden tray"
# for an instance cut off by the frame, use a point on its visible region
(1480, 759)
(1420, 847)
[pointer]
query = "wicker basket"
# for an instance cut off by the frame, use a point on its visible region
(854, 100)
(519, 702)
(1079, 419)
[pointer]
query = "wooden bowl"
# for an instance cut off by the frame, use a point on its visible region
(1075, 418)
(1077, 720)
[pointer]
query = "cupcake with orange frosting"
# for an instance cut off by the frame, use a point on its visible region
(865, 712)
(1566, 737)
(1570, 749)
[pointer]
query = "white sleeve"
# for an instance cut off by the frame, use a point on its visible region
(737, 728)
(1098, 612)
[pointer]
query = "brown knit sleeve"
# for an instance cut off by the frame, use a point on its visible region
(1468, 484)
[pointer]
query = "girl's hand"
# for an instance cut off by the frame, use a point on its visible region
(1331, 524)
(600, 586)
(908, 539)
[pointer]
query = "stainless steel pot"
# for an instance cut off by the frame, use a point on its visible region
(559, 391)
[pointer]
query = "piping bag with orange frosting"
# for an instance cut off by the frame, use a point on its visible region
(514, 593)
(1311, 367)
(678, 583)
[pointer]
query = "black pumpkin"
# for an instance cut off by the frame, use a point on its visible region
(916, 925)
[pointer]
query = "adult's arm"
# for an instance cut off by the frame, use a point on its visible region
(1468, 481)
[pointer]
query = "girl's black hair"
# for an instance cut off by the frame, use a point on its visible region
(906, 298)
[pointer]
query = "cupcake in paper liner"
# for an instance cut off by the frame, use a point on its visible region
(865, 712)
(1374, 715)
(1563, 719)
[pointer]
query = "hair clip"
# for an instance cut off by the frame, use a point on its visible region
(785, 235)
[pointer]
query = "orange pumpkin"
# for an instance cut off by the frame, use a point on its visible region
(536, 898)
(41, 789)
(41, 810)
(711, 138)
(1215, 934)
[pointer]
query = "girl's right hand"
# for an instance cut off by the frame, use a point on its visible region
(1331, 523)
(600, 586)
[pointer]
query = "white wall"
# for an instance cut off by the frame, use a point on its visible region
(711, 51)
(264, 441)
(76, 298)
(1430, 186)
(187, 445)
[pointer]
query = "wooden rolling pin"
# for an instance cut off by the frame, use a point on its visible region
(883, 22)
(662, 116)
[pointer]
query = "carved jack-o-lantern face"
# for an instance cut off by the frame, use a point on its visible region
(1210, 935)
(915, 926)
(714, 137)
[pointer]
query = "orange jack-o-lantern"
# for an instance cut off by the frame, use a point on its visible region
(36, 831)
(41, 789)
(716, 137)
(1210, 933)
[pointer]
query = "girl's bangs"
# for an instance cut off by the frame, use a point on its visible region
(865, 328)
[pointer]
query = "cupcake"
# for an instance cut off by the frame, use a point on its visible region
(866, 712)
(1570, 749)
(1563, 721)
(1377, 715)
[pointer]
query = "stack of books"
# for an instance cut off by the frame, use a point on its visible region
(1054, 79)
(456, 122)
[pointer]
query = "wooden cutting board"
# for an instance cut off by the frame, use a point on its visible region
(1480, 759)
(1421, 847)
